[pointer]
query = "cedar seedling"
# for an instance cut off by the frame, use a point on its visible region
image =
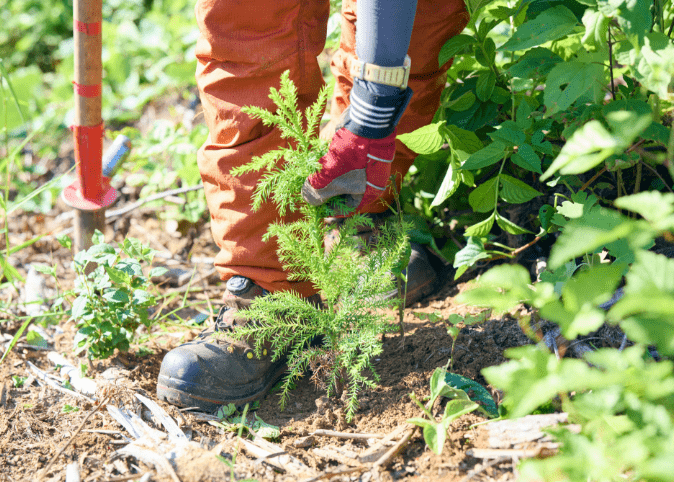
(351, 279)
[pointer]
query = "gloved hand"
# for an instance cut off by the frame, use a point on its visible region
(357, 166)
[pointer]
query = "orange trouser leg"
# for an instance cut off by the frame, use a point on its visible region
(243, 49)
(435, 22)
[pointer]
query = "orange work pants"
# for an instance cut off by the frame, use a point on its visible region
(243, 49)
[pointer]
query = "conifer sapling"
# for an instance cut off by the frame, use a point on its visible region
(352, 279)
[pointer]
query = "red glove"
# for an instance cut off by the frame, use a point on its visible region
(356, 168)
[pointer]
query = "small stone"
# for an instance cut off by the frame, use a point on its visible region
(304, 442)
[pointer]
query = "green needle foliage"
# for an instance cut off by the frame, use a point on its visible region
(351, 279)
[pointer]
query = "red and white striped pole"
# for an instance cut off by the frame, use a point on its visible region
(91, 193)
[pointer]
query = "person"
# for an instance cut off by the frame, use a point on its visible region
(388, 82)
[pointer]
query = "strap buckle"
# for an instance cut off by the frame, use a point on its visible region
(393, 76)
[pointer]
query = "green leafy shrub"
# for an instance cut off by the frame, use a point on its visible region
(624, 400)
(351, 279)
(538, 95)
(113, 298)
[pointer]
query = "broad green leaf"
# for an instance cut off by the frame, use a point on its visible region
(449, 185)
(594, 230)
(480, 394)
(596, 29)
(141, 296)
(118, 277)
(440, 388)
(454, 46)
(487, 156)
(500, 95)
(652, 205)
(655, 65)
(266, 430)
(470, 254)
(98, 237)
(501, 288)
(463, 140)
(627, 125)
(580, 204)
(482, 228)
(535, 63)
(80, 307)
(634, 17)
(588, 146)
(461, 103)
(522, 121)
(425, 140)
(509, 134)
(647, 319)
(569, 81)
(510, 227)
(485, 85)
(592, 143)
(545, 214)
(573, 324)
(552, 24)
(651, 273)
(516, 191)
(35, 339)
(535, 376)
(526, 158)
(483, 198)
(158, 271)
(474, 6)
(116, 296)
(592, 287)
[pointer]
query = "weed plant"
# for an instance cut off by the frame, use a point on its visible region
(113, 299)
(338, 340)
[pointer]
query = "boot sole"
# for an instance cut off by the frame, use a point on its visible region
(174, 392)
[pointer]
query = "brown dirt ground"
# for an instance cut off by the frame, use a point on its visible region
(35, 423)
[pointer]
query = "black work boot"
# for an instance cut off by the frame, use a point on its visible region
(421, 277)
(213, 370)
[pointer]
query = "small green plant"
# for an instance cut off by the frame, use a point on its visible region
(230, 409)
(351, 279)
(230, 421)
(18, 381)
(452, 324)
(459, 404)
(70, 409)
(112, 300)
